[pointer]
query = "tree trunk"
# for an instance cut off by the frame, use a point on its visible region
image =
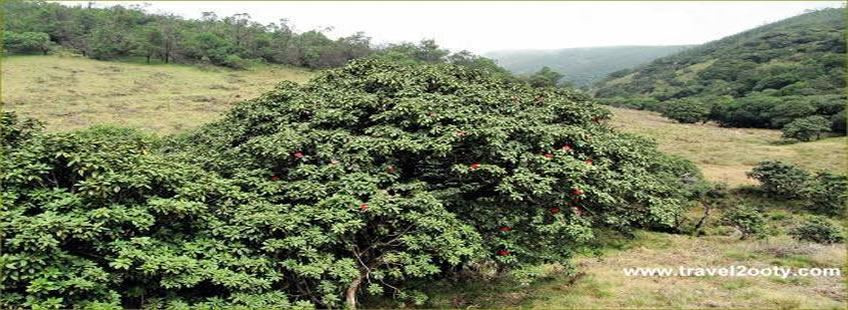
(703, 220)
(350, 295)
(148, 58)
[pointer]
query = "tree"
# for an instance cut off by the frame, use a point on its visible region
(687, 111)
(429, 168)
(546, 77)
(807, 128)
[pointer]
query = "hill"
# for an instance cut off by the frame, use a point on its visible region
(74, 92)
(582, 66)
(802, 55)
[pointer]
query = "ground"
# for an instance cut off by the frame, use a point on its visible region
(71, 93)
(599, 281)
(725, 154)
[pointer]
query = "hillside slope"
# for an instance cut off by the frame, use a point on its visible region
(582, 66)
(74, 92)
(802, 55)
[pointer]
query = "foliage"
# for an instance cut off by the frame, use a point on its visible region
(748, 220)
(86, 227)
(637, 103)
(780, 179)
(687, 111)
(526, 173)
(26, 42)
(369, 176)
(767, 77)
(806, 129)
(545, 77)
(827, 193)
(818, 229)
(128, 31)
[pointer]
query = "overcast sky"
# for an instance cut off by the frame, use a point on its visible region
(487, 26)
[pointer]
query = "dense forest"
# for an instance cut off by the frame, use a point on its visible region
(765, 77)
(582, 67)
(118, 32)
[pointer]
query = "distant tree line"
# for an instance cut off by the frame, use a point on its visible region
(118, 32)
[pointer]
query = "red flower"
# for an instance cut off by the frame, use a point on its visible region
(275, 178)
(566, 148)
(549, 155)
(503, 253)
(588, 161)
(363, 207)
(577, 191)
(475, 166)
(390, 169)
(554, 210)
(298, 155)
(506, 229)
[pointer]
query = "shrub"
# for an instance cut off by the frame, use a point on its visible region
(818, 229)
(807, 128)
(827, 193)
(96, 219)
(748, 220)
(780, 179)
(367, 177)
(687, 111)
(235, 62)
(539, 162)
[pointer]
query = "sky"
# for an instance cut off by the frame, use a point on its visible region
(482, 27)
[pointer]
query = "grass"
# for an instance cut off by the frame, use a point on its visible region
(725, 154)
(600, 282)
(73, 92)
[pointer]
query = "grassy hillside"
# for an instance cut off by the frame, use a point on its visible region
(802, 55)
(72, 92)
(725, 154)
(582, 66)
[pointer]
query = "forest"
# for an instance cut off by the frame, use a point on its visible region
(765, 77)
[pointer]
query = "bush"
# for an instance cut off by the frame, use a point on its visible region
(748, 220)
(538, 162)
(818, 229)
(780, 179)
(687, 111)
(235, 62)
(369, 176)
(827, 193)
(807, 128)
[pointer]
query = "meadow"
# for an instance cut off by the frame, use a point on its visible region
(73, 92)
(70, 93)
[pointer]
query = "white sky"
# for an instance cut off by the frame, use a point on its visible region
(486, 26)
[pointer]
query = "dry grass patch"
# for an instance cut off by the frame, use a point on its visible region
(72, 92)
(725, 154)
